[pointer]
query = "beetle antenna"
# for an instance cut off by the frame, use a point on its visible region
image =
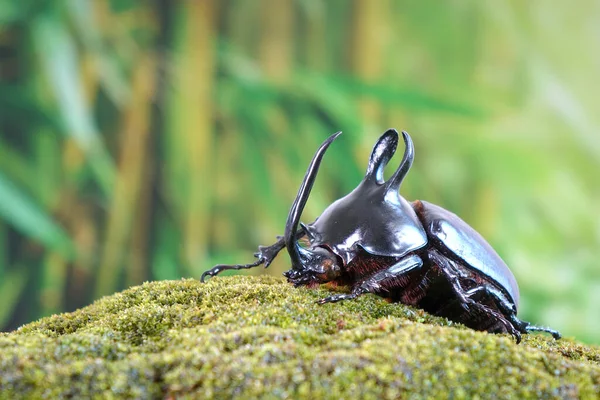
(291, 226)
(409, 154)
(382, 152)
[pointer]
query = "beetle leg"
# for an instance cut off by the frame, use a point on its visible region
(447, 267)
(500, 321)
(499, 299)
(464, 298)
(265, 255)
(268, 253)
(340, 297)
(510, 311)
(373, 284)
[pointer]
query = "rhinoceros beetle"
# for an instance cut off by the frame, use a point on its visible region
(416, 253)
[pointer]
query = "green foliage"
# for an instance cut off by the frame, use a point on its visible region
(249, 337)
(147, 140)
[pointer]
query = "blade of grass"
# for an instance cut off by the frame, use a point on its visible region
(16, 166)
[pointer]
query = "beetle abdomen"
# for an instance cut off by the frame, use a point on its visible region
(457, 240)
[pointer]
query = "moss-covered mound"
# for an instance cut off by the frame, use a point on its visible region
(251, 337)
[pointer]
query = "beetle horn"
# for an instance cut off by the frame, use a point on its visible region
(296, 252)
(382, 152)
(393, 184)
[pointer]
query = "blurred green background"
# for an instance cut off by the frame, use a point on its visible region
(146, 140)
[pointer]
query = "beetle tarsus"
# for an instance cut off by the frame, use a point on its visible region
(338, 297)
(532, 328)
(217, 269)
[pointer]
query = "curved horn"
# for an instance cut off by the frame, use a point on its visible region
(382, 152)
(291, 226)
(409, 154)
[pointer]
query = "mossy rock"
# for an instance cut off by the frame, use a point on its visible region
(258, 337)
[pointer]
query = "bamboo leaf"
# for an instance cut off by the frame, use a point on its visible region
(113, 79)
(59, 57)
(21, 212)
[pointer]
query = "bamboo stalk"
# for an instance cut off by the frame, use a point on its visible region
(126, 198)
(277, 41)
(3, 251)
(138, 269)
(190, 126)
(368, 46)
(54, 280)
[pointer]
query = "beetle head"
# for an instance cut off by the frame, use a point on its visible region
(318, 265)
(309, 264)
(373, 217)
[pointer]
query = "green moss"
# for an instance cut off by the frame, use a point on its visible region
(259, 337)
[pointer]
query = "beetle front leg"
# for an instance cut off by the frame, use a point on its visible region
(265, 255)
(374, 283)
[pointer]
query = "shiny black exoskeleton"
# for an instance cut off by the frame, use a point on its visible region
(415, 253)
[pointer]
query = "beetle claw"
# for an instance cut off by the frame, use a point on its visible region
(465, 306)
(517, 336)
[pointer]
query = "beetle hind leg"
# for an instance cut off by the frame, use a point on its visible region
(497, 321)
(502, 324)
(510, 311)
(527, 327)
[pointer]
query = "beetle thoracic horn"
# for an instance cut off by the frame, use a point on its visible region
(291, 226)
(382, 152)
(393, 184)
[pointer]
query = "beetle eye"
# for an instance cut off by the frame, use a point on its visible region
(332, 271)
(328, 268)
